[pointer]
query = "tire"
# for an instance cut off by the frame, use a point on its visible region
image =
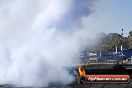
(81, 80)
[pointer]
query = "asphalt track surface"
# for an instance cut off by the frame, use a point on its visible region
(79, 86)
(90, 85)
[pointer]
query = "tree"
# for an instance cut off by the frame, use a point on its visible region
(100, 39)
(112, 40)
(130, 40)
(130, 33)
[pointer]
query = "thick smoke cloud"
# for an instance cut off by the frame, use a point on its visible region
(78, 9)
(37, 39)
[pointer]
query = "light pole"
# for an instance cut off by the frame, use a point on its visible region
(122, 43)
(122, 46)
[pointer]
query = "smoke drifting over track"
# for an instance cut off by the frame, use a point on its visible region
(39, 37)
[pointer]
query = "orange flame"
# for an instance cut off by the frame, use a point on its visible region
(81, 71)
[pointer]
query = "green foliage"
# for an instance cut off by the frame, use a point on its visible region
(112, 40)
(130, 33)
(130, 42)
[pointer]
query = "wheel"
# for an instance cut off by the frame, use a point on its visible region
(81, 80)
